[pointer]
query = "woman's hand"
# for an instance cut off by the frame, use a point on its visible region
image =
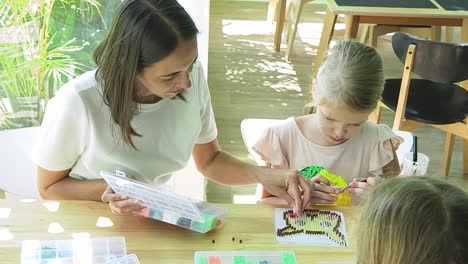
(290, 186)
(359, 188)
(323, 189)
(120, 204)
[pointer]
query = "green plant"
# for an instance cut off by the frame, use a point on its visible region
(41, 48)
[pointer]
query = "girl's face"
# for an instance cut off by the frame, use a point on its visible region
(170, 76)
(338, 122)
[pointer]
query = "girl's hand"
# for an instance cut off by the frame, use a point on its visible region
(120, 204)
(323, 189)
(290, 186)
(359, 188)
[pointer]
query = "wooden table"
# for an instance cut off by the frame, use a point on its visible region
(356, 15)
(157, 242)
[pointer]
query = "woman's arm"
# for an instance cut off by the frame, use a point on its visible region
(57, 185)
(218, 165)
(222, 168)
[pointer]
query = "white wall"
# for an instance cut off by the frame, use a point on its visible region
(17, 170)
(199, 10)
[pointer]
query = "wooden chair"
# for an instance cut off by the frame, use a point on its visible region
(434, 99)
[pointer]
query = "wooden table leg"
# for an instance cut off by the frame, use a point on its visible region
(352, 26)
(294, 7)
(281, 5)
(448, 150)
(449, 34)
(465, 158)
(436, 33)
(365, 34)
(464, 39)
(327, 33)
(271, 14)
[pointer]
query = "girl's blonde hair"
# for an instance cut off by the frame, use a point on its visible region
(414, 220)
(351, 72)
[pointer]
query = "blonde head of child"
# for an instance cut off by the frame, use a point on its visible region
(414, 220)
(348, 87)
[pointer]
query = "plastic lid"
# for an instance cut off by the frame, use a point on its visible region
(157, 197)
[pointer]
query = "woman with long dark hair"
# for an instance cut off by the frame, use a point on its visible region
(144, 111)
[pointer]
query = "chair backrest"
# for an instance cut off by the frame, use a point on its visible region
(435, 61)
(17, 171)
(251, 130)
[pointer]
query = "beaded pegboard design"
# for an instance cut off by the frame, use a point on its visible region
(313, 227)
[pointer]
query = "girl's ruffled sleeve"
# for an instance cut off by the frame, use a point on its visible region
(268, 146)
(383, 151)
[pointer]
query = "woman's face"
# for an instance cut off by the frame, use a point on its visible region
(338, 123)
(168, 77)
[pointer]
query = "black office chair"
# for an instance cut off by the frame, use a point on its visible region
(434, 99)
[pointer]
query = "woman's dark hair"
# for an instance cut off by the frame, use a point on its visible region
(142, 33)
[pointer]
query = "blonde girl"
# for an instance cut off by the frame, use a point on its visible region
(414, 220)
(338, 136)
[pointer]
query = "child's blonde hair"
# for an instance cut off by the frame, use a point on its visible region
(351, 72)
(414, 220)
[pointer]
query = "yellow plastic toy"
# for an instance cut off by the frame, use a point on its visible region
(343, 198)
